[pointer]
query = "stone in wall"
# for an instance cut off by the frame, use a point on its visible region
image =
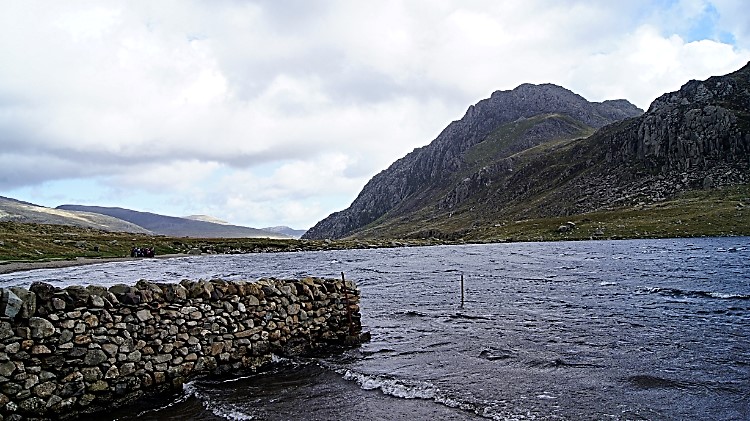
(69, 351)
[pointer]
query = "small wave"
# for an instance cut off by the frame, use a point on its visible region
(225, 410)
(470, 316)
(725, 296)
(393, 387)
(490, 356)
(411, 313)
(378, 351)
(730, 249)
(607, 283)
(677, 293)
(411, 389)
(559, 363)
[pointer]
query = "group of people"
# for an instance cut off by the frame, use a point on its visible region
(142, 252)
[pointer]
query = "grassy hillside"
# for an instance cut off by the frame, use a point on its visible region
(20, 242)
(719, 212)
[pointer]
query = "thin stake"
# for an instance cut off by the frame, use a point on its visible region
(346, 303)
(462, 290)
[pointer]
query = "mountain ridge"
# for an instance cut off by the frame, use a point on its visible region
(694, 138)
(19, 211)
(175, 226)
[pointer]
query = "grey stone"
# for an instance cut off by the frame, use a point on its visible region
(110, 349)
(78, 295)
(97, 301)
(162, 358)
(91, 374)
(32, 404)
(10, 305)
(6, 330)
(45, 390)
(144, 315)
(134, 356)
(98, 386)
(40, 349)
(28, 298)
(127, 369)
(95, 357)
(293, 309)
(41, 328)
(58, 304)
(7, 368)
(112, 373)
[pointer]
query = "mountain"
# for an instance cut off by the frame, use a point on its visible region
(207, 218)
(509, 122)
(284, 230)
(541, 151)
(174, 226)
(18, 211)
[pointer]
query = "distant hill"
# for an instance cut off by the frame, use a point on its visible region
(207, 218)
(176, 227)
(286, 231)
(18, 211)
(541, 151)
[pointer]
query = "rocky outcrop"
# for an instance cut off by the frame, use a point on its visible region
(415, 180)
(65, 352)
(704, 124)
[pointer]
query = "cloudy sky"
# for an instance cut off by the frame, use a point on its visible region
(278, 112)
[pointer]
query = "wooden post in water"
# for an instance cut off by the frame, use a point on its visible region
(346, 303)
(462, 290)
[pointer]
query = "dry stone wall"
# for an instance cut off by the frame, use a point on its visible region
(66, 352)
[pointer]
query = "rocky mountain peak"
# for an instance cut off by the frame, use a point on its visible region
(415, 180)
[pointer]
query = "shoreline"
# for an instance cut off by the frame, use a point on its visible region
(12, 267)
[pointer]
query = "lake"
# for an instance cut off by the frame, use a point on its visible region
(637, 329)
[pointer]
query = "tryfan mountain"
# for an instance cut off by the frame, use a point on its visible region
(543, 153)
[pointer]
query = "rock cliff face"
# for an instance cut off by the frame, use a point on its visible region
(443, 168)
(701, 125)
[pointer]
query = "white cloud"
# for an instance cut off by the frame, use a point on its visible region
(274, 112)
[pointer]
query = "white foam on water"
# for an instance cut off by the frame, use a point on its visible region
(227, 411)
(409, 389)
(393, 387)
(726, 296)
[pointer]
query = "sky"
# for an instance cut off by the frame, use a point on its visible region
(278, 112)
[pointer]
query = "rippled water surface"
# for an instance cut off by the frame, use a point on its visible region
(647, 329)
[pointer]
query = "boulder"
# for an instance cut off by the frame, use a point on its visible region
(78, 295)
(44, 291)
(10, 305)
(41, 328)
(28, 298)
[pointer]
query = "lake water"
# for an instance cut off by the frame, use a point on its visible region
(621, 330)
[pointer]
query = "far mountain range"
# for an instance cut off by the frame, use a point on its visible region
(543, 152)
(125, 220)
